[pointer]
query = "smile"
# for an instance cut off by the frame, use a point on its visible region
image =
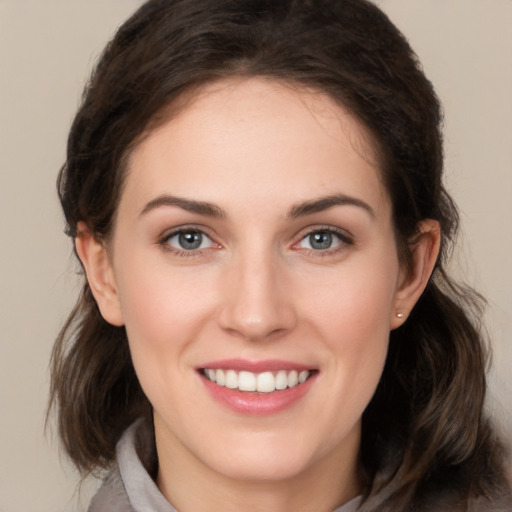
(264, 382)
(257, 388)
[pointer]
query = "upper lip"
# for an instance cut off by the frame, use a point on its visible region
(267, 365)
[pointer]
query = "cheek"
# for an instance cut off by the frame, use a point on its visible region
(358, 339)
(353, 303)
(352, 314)
(162, 308)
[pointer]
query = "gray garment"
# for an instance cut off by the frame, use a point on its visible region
(130, 488)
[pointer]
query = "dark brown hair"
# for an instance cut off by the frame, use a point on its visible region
(426, 443)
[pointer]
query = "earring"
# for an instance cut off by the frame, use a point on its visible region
(400, 315)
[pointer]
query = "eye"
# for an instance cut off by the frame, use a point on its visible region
(188, 240)
(323, 240)
(320, 241)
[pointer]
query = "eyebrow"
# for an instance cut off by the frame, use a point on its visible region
(299, 210)
(199, 207)
(324, 203)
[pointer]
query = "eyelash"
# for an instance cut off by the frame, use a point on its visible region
(345, 240)
(183, 253)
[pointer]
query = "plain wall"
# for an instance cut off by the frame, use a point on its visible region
(47, 48)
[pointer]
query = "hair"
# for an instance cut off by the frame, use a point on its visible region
(425, 439)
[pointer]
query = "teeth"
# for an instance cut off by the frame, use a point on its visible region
(246, 381)
(281, 380)
(231, 379)
(265, 382)
(220, 378)
(293, 379)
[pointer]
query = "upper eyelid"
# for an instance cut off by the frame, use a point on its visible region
(343, 233)
(167, 233)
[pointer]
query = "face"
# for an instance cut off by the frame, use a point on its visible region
(257, 276)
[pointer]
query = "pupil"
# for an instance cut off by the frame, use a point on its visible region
(190, 240)
(321, 240)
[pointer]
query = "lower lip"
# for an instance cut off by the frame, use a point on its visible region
(258, 404)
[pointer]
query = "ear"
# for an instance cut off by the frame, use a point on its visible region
(414, 279)
(95, 259)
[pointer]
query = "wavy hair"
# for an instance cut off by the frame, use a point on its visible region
(426, 442)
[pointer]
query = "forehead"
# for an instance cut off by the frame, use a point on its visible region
(254, 132)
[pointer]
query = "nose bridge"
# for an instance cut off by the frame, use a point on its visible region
(256, 304)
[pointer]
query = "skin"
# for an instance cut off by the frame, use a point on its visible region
(257, 289)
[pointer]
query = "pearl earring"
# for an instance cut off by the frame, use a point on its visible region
(400, 315)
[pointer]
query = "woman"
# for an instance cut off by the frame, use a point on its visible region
(254, 192)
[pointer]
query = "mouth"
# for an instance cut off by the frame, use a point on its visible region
(257, 388)
(257, 382)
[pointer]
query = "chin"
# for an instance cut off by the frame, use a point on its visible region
(264, 466)
(263, 456)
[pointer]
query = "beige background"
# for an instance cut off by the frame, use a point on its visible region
(46, 49)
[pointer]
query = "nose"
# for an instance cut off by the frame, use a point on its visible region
(257, 301)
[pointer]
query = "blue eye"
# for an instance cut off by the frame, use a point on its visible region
(322, 240)
(189, 240)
